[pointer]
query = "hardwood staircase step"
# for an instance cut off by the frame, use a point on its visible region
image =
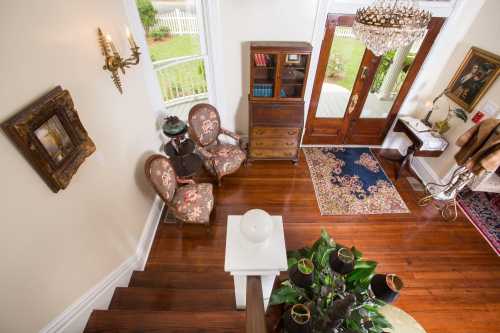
(134, 321)
(173, 299)
(181, 280)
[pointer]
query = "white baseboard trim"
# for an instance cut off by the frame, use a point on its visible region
(75, 317)
(424, 171)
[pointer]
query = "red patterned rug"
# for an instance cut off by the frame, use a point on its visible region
(350, 181)
(483, 210)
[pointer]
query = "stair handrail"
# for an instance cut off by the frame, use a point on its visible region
(255, 316)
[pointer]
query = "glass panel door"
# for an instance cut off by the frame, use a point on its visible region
(293, 73)
(389, 78)
(346, 54)
(264, 74)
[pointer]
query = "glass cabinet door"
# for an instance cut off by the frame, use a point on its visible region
(292, 75)
(264, 74)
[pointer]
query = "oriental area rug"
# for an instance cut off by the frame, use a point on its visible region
(483, 210)
(350, 181)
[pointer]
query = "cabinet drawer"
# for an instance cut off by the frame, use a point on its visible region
(275, 132)
(277, 113)
(272, 153)
(291, 142)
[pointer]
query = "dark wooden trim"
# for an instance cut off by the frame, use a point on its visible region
(351, 128)
(311, 122)
(255, 316)
(435, 26)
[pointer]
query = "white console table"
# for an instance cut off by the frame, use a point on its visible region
(244, 258)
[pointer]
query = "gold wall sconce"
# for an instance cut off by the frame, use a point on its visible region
(113, 61)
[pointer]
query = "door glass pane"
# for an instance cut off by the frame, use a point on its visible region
(264, 72)
(391, 73)
(292, 75)
(346, 54)
(173, 36)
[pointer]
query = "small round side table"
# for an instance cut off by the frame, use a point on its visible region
(185, 161)
(175, 129)
(401, 321)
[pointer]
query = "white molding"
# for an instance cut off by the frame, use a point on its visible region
(424, 171)
(148, 233)
(74, 318)
(151, 80)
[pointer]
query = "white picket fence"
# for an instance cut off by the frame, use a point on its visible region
(178, 22)
(344, 32)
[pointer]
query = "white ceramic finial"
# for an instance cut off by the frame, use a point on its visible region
(256, 225)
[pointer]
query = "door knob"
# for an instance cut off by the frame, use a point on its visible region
(352, 105)
(364, 72)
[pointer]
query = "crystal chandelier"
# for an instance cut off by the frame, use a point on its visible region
(390, 24)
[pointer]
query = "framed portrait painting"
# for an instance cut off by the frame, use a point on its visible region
(476, 74)
(51, 137)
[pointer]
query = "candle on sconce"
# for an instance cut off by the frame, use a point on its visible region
(429, 105)
(110, 42)
(130, 38)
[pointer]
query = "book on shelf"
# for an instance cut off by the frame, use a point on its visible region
(263, 60)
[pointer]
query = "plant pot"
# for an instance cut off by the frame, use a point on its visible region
(342, 261)
(386, 287)
(298, 319)
(302, 274)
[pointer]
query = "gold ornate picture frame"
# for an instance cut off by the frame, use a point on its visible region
(473, 78)
(51, 137)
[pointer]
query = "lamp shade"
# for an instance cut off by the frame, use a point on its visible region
(256, 226)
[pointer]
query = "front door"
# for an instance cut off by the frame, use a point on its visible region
(357, 95)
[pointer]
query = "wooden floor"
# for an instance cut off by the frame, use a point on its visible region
(451, 275)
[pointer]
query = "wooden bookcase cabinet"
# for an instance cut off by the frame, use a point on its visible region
(278, 77)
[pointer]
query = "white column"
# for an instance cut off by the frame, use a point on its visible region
(391, 77)
(240, 287)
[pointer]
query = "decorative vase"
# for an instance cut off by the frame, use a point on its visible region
(302, 274)
(257, 226)
(342, 261)
(173, 126)
(386, 287)
(298, 319)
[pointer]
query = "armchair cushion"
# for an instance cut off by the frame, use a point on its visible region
(204, 123)
(226, 158)
(193, 203)
(162, 176)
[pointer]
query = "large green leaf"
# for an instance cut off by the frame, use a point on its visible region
(327, 238)
(292, 261)
(285, 294)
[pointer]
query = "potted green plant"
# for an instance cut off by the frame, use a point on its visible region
(340, 298)
(298, 319)
(302, 274)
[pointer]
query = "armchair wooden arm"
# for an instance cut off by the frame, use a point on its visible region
(205, 153)
(184, 181)
(230, 134)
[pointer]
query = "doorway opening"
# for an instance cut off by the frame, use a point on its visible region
(357, 95)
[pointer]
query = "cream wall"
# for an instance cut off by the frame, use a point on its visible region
(243, 21)
(55, 247)
(483, 33)
(472, 24)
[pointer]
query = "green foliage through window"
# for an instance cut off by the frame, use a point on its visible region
(147, 13)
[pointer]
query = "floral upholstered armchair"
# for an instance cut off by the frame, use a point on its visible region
(190, 203)
(204, 127)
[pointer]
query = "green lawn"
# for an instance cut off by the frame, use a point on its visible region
(173, 47)
(350, 52)
(183, 79)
